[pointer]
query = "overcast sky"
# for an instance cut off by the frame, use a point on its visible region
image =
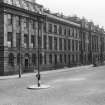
(91, 9)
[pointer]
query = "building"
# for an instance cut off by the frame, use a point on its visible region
(63, 41)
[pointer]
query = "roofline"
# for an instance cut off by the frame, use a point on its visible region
(62, 19)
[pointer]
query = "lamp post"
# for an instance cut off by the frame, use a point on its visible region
(38, 75)
(20, 53)
(38, 54)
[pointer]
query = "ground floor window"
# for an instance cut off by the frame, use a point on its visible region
(50, 59)
(45, 59)
(61, 58)
(65, 59)
(40, 59)
(11, 59)
(55, 59)
(34, 59)
(68, 59)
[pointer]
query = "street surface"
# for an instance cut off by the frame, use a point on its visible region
(80, 86)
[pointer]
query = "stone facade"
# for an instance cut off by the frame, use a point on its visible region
(62, 41)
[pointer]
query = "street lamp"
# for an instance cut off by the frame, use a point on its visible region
(38, 86)
(38, 53)
(20, 51)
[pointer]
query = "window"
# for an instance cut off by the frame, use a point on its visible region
(34, 59)
(40, 41)
(68, 32)
(55, 56)
(64, 44)
(68, 44)
(9, 36)
(77, 32)
(50, 59)
(26, 23)
(65, 58)
(55, 29)
(55, 43)
(65, 31)
(61, 60)
(45, 41)
(60, 44)
(50, 42)
(11, 59)
(76, 45)
(18, 21)
(60, 30)
(33, 39)
(72, 45)
(73, 59)
(73, 32)
(68, 59)
(45, 59)
(18, 58)
(9, 16)
(25, 38)
(50, 28)
(32, 24)
(44, 27)
(40, 59)
(18, 40)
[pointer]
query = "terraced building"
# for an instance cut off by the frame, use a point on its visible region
(28, 30)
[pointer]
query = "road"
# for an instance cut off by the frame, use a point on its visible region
(82, 86)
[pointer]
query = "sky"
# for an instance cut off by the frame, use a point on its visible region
(93, 10)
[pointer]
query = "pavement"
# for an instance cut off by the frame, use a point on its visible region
(45, 72)
(83, 85)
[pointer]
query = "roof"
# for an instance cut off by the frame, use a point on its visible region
(26, 4)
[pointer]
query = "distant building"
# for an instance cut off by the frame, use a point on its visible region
(63, 41)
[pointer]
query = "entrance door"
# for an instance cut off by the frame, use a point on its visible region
(55, 59)
(26, 64)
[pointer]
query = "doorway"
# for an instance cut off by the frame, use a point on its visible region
(26, 65)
